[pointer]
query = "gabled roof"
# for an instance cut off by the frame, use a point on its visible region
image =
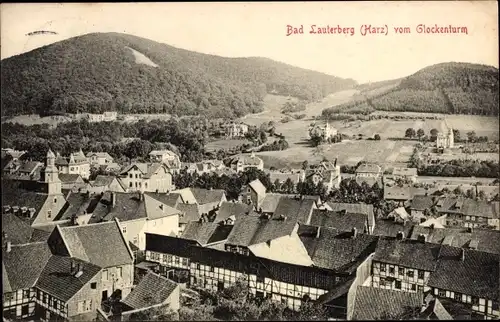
(487, 240)
(397, 192)
(152, 290)
(399, 213)
(79, 204)
(247, 160)
(270, 202)
(407, 253)
(156, 209)
(340, 220)
(100, 155)
(252, 229)
(295, 209)
(15, 194)
(390, 228)
(128, 206)
(29, 166)
(436, 311)
(147, 169)
(170, 199)
(476, 275)
(101, 244)
(18, 230)
(204, 196)
(56, 278)
(24, 263)
(355, 208)
(228, 209)
(190, 212)
(103, 181)
(206, 232)
(70, 178)
(404, 171)
(378, 304)
(295, 177)
(369, 167)
(334, 249)
(162, 152)
(258, 187)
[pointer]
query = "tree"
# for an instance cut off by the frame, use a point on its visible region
(410, 133)
(420, 133)
(376, 137)
(456, 135)
(160, 313)
(471, 136)
(305, 165)
(434, 132)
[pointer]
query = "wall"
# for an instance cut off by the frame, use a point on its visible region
(133, 230)
(408, 284)
(363, 272)
(86, 293)
(287, 249)
(162, 226)
(114, 282)
(53, 204)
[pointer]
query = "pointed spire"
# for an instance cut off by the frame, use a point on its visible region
(50, 154)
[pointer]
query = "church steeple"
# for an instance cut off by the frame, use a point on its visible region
(51, 176)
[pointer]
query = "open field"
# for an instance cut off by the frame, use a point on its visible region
(225, 144)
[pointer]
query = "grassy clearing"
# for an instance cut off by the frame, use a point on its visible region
(225, 144)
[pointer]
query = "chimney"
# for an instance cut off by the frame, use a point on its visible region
(354, 232)
(431, 226)
(72, 267)
(8, 246)
(283, 217)
(79, 270)
(113, 199)
(318, 232)
(400, 235)
(462, 254)
(421, 238)
(32, 212)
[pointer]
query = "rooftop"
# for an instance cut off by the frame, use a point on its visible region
(341, 220)
(204, 196)
(128, 206)
(407, 253)
(153, 289)
(206, 232)
(228, 209)
(369, 168)
(258, 187)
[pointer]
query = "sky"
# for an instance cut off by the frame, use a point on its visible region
(260, 29)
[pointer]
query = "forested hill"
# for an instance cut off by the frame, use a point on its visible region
(451, 88)
(111, 71)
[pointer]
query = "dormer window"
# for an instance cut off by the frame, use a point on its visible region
(49, 213)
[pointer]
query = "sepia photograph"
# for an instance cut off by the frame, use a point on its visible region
(250, 161)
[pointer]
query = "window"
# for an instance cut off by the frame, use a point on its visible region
(442, 293)
(391, 270)
(197, 266)
(458, 297)
(124, 229)
(119, 272)
(169, 258)
(25, 309)
(413, 287)
(421, 275)
(26, 294)
(473, 218)
(49, 213)
(410, 273)
(81, 307)
(136, 176)
(184, 261)
(55, 304)
(93, 285)
(135, 241)
(136, 184)
(382, 281)
(105, 275)
(176, 260)
(420, 288)
(145, 185)
(475, 301)
(401, 271)
(55, 200)
(211, 268)
(398, 285)
(260, 279)
(382, 267)
(130, 184)
(88, 305)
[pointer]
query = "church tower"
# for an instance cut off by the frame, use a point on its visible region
(451, 139)
(52, 174)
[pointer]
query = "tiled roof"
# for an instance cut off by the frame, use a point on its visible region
(102, 181)
(334, 249)
(14, 194)
(169, 199)
(248, 160)
(24, 263)
(296, 209)
(369, 167)
(148, 169)
(69, 178)
(57, 280)
(100, 155)
(270, 202)
(436, 311)
(190, 212)
(390, 228)
(295, 177)
(228, 209)
(252, 229)
(169, 245)
(378, 304)
(399, 213)
(340, 220)
(206, 232)
(152, 290)
(258, 187)
(29, 166)
(476, 275)
(162, 152)
(18, 230)
(156, 209)
(407, 253)
(78, 203)
(355, 208)
(100, 244)
(6, 288)
(487, 240)
(397, 193)
(128, 206)
(422, 202)
(369, 181)
(204, 196)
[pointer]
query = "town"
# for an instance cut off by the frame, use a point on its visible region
(108, 240)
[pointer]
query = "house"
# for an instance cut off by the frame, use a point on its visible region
(208, 234)
(484, 240)
(355, 208)
(208, 200)
(99, 158)
(445, 140)
(188, 213)
(205, 166)
(368, 170)
(79, 208)
(327, 172)
(23, 170)
(72, 182)
(138, 213)
(341, 220)
(169, 158)
(235, 130)
(390, 228)
(469, 277)
(421, 206)
(229, 209)
(104, 183)
(76, 163)
(399, 194)
(436, 311)
(153, 177)
(385, 304)
(244, 162)
(19, 231)
(108, 116)
(113, 255)
(282, 176)
(152, 291)
(405, 174)
(254, 193)
(324, 130)
(467, 212)
(399, 215)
